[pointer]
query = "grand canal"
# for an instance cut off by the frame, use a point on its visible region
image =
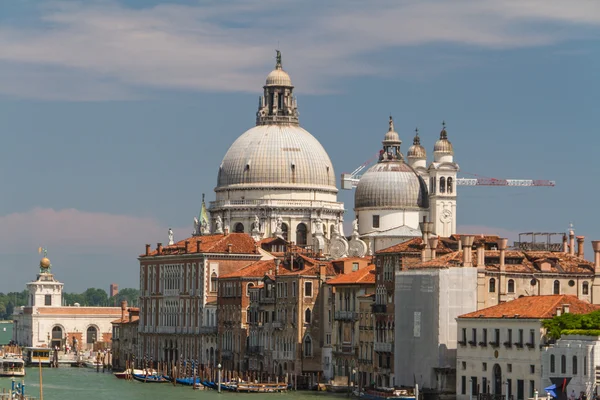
(86, 384)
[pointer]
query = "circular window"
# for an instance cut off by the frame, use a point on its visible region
(571, 283)
(533, 282)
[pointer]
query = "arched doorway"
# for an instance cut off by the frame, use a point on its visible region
(497, 379)
(91, 336)
(57, 335)
(239, 228)
(284, 229)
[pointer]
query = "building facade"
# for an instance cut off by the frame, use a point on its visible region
(178, 295)
(125, 338)
(500, 348)
(45, 322)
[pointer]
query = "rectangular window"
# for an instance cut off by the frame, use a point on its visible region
(497, 336)
(474, 335)
(531, 388)
(463, 384)
(48, 300)
(484, 336)
(375, 221)
(293, 289)
(520, 389)
(474, 387)
(484, 367)
(464, 335)
(484, 385)
(509, 386)
(464, 365)
(532, 369)
(509, 336)
(521, 337)
(509, 367)
(354, 266)
(532, 337)
(307, 289)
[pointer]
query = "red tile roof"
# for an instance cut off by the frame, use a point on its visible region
(363, 276)
(445, 244)
(255, 270)
(534, 307)
(241, 243)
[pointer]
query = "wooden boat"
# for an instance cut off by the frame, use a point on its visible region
(12, 366)
(250, 387)
(149, 378)
(388, 394)
(188, 381)
(93, 364)
(127, 372)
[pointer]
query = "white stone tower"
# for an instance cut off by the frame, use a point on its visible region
(45, 291)
(442, 186)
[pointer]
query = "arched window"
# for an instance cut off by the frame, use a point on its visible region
(307, 316)
(584, 366)
(449, 187)
(91, 335)
(239, 227)
(213, 282)
(301, 234)
(284, 229)
(511, 286)
(563, 364)
(552, 363)
(250, 285)
(585, 288)
(57, 333)
(556, 287)
(492, 286)
(574, 365)
(307, 347)
(442, 184)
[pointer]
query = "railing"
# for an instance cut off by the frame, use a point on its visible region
(226, 354)
(379, 308)
(346, 315)
(382, 347)
(208, 329)
(281, 203)
(345, 349)
(267, 300)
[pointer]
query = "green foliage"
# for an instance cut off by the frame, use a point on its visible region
(584, 332)
(9, 301)
(569, 322)
(128, 294)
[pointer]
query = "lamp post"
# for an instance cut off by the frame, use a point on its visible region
(219, 376)
(505, 383)
(353, 378)
(471, 389)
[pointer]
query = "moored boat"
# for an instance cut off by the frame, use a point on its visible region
(149, 378)
(388, 394)
(126, 373)
(12, 366)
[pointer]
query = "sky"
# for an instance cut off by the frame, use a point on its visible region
(115, 115)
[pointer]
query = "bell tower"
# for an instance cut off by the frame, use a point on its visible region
(442, 186)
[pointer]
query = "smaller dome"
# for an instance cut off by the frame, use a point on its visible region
(45, 263)
(278, 77)
(391, 136)
(416, 150)
(443, 145)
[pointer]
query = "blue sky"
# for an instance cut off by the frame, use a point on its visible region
(115, 114)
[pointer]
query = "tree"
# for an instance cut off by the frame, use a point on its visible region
(130, 295)
(95, 297)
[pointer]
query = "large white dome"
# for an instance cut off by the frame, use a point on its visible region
(276, 156)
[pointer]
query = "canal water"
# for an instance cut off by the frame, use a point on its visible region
(86, 384)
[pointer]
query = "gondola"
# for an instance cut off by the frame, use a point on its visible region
(149, 378)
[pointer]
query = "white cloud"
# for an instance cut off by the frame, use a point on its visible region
(80, 231)
(228, 46)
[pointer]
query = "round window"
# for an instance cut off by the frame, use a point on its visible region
(571, 283)
(533, 282)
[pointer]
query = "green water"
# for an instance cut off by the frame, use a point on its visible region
(86, 384)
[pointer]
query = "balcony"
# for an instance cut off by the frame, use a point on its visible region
(283, 355)
(207, 330)
(255, 350)
(343, 349)
(346, 315)
(267, 300)
(365, 361)
(277, 325)
(380, 308)
(381, 347)
(226, 354)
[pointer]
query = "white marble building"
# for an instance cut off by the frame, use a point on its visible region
(394, 196)
(46, 322)
(276, 179)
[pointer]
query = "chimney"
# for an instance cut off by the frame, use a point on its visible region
(425, 230)
(424, 226)
(565, 244)
(580, 242)
(148, 249)
(459, 245)
(226, 231)
(198, 243)
(571, 242)
(566, 308)
(187, 243)
(123, 310)
(229, 245)
(277, 262)
(558, 311)
(433, 242)
(502, 242)
(596, 247)
(481, 255)
(323, 272)
(159, 248)
(467, 248)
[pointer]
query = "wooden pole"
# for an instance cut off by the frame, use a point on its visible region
(40, 368)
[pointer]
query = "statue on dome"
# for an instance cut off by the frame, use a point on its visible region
(278, 58)
(171, 241)
(318, 227)
(256, 224)
(218, 224)
(355, 226)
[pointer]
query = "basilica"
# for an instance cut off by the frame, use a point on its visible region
(277, 180)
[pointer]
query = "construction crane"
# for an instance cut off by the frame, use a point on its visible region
(349, 181)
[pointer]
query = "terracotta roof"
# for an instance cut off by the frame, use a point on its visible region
(534, 307)
(126, 320)
(241, 243)
(255, 270)
(516, 261)
(414, 246)
(82, 311)
(364, 275)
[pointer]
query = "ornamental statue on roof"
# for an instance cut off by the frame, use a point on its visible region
(45, 265)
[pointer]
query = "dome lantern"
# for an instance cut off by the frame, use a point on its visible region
(416, 151)
(391, 144)
(277, 105)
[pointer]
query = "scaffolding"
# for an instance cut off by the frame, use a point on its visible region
(540, 241)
